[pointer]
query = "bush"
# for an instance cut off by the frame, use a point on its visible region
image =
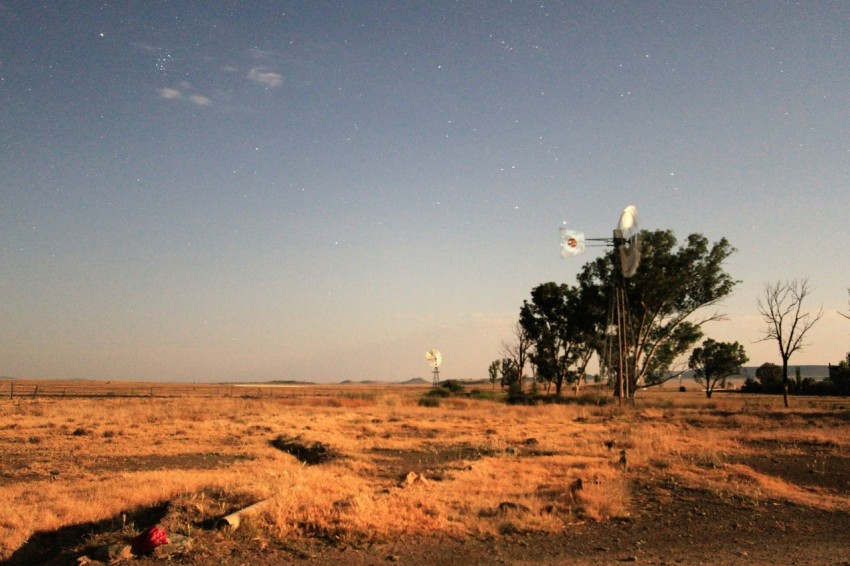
(438, 392)
(479, 394)
(452, 385)
(429, 401)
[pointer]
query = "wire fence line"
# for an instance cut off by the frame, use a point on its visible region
(11, 389)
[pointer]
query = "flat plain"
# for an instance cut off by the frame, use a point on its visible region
(364, 474)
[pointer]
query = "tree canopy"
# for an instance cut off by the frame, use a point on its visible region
(714, 361)
(670, 286)
(552, 321)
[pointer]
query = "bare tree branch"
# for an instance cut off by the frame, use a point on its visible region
(847, 316)
(518, 349)
(786, 323)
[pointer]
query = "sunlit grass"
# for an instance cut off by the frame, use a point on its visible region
(487, 468)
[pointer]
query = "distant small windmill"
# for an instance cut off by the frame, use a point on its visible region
(435, 358)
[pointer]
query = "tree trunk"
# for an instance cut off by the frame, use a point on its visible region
(785, 381)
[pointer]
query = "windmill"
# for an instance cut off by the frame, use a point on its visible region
(626, 243)
(626, 260)
(435, 358)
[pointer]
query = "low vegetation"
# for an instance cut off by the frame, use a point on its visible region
(370, 464)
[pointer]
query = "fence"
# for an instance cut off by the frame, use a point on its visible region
(16, 389)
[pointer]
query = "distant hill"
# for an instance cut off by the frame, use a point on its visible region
(814, 371)
(414, 381)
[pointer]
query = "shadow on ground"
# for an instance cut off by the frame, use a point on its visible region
(62, 546)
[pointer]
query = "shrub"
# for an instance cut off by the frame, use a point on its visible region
(452, 385)
(438, 392)
(429, 401)
(479, 394)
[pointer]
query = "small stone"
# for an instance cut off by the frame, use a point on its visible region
(114, 553)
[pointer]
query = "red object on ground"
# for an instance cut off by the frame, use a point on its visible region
(146, 542)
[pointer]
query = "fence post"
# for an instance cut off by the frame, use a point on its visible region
(35, 391)
(11, 390)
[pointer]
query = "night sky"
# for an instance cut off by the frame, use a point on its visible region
(325, 190)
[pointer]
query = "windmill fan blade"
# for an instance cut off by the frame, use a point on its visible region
(630, 257)
(434, 358)
(628, 223)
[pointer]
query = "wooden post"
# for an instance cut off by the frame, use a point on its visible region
(35, 391)
(11, 390)
(234, 519)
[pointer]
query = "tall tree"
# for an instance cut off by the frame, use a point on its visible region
(714, 361)
(493, 370)
(671, 285)
(787, 323)
(839, 376)
(510, 374)
(552, 320)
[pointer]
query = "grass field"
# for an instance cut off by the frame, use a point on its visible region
(467, 468)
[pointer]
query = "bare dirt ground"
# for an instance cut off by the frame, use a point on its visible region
(671, 520)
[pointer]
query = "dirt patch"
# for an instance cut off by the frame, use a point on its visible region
(803, 463)
(671, 525)
(20, 468)
(433, 463)
(309, 453)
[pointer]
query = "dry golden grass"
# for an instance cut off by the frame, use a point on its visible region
(488, 468)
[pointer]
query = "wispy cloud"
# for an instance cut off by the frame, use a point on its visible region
(170, 93)
(180, 94)
(200, 100)
(268, 78)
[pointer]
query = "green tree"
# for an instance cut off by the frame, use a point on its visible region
(769, 377)
(786, 323)
(714, 361)
(672, 285)
(556, 324)
(495, 365)
(839, 376)
(510, 374)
